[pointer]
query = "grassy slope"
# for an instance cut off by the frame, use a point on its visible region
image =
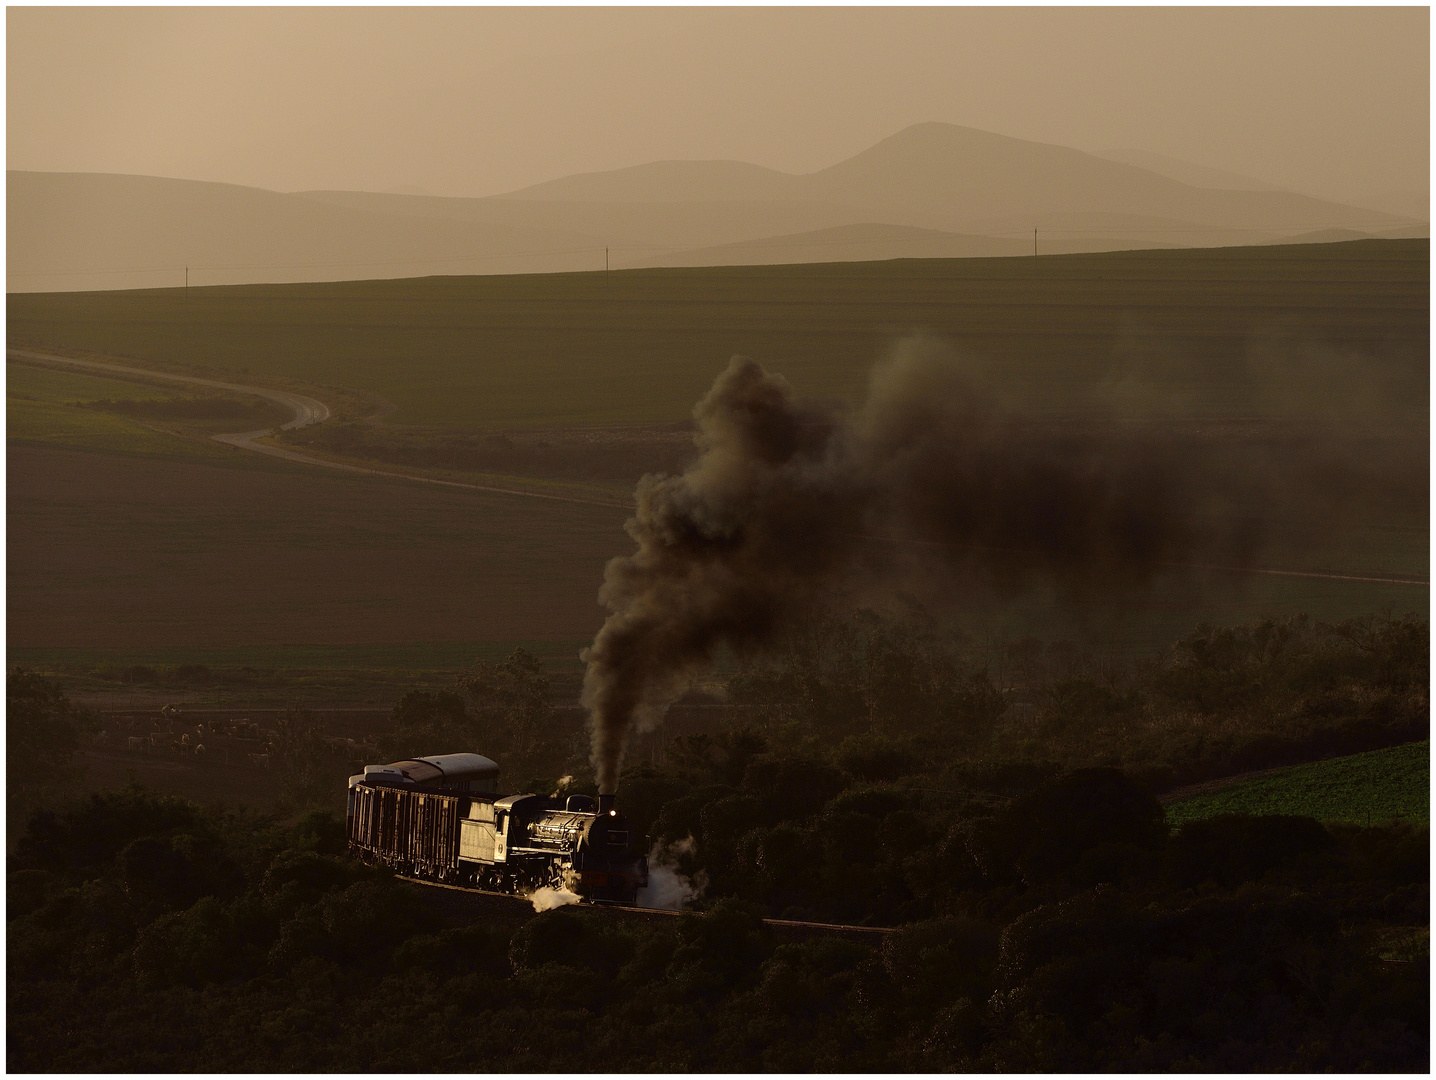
(48, 384)
(108, 551)
(42, 422)
(201, 558)
(40, 410)
(1374, 787)
(642, 346)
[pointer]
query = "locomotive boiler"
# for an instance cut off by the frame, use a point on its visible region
(440, 818)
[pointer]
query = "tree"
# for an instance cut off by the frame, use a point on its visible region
(41, 726)
(41, 738)
(869, 674)
(303, 757)
(426, 723)
(509, 706)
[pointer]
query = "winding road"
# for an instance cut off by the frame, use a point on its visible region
(307, 411)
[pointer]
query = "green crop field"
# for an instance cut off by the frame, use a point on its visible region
(445, 656)
(36, 383)
(1370, 788)
(117, 551)
(1206, 332)
(113, 548)
(42, 407)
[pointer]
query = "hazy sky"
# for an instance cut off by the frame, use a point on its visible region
(475, 101)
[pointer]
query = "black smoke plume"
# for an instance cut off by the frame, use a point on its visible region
(789, 498)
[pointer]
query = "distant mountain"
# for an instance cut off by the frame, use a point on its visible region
(1326, 236)
(930, 176)
(945, 176)
(67, 231)
(670, 181)
(1406, 203)
(934, 176)
(929, 188)
(638, 228)
(849, 243)
(1187, 172)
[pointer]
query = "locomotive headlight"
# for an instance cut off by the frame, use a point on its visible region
(613, 813)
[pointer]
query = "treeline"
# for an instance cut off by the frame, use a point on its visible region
(871, 772)
(869, 762)
(884, 699)
(1218, 701)
(43, 732)
(1074, 934)
(141, 674)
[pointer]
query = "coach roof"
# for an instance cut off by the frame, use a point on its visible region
(448, 768)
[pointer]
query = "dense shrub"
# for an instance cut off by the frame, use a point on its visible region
(306, 961)
(1046, 920)
(1050, 830)
(1233, 848)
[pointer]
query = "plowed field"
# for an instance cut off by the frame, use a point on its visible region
(108, 550)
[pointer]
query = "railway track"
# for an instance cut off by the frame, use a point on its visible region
(786, 926)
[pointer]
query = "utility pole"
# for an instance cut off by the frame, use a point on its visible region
(186, 277)
(1034, 242)
(605, 259)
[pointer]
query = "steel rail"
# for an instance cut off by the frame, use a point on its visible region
(789, 923)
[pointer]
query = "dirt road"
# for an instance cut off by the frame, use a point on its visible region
(307, 411)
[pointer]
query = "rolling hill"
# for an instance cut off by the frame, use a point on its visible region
(68, 231)
(849, 243)
(931, 190)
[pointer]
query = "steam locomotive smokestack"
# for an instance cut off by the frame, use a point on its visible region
(605, 804)
(789, 497)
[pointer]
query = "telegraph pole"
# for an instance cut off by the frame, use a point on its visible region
(1034, 242)
(605, 259)
(186, 278)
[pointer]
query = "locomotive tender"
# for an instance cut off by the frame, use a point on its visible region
(440, 818)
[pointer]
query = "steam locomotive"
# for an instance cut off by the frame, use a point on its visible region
(440, 818)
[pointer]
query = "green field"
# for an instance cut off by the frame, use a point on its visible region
(30, 381)
(42, 406)
(42, 422)
(1371, 788)
(1215, 332)
(113, 548)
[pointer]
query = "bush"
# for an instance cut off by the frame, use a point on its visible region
(729, 941)
(465, 950)
(1048, 831)
(1233, 848)
(174, 872)
(569, 939)
(359, 926)
(873, 758)
(790, 789)
(209, 942)
(92, 831)
(41, 726)
(941, 960)
(643, 798)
